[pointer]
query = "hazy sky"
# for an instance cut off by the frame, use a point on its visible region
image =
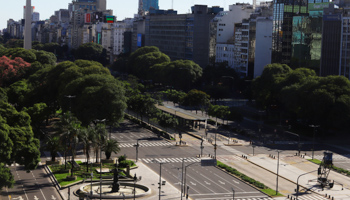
(121, 8)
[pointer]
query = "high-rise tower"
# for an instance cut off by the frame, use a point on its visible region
(28, 26)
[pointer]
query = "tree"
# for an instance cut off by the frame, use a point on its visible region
(99, 97)
(53, 145)
(38, 113)
(197, 99)
(266, 88)
(45, 57)
(180, 74)
(143, 63)
(26, 55)
(90, 51)
(17, 142)
(142, 104)
(88, 138)
(109, 147)
(175, 96)
(12, 70)
(218, 111)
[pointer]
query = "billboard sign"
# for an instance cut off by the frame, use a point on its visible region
(318, 6)
(87, 18)
(109, 19)
(139, 40)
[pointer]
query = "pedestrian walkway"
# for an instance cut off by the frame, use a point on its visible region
(302, 171)
(229, 158)
(146, 144)
(335, 157)
(267, 198)
(170, 160)
(309, 197)
(232, 150)
(293, 142)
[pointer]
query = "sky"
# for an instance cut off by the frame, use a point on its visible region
(13, 9)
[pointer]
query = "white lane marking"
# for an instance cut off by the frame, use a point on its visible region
(25, 192)
(36, 198)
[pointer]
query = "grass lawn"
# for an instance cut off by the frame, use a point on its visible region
(61, 174)
(272, 192)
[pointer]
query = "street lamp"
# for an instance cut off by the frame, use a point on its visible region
(182, 178)
(297, 190)
(99, 121)
(202, 147)
(186, 171)
(278, 166)
(160, 178)
(253, 148)
(135, 180)
(137, 149)
(313, 140)
(233, 193)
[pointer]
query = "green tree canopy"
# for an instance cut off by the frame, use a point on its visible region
(90, 51)
(180, 74)
(96, 97)
(17, 142)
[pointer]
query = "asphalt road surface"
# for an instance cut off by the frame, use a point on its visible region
(34, 185)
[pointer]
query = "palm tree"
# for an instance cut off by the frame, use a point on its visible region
(53, 145)
(109, 147)
(87, 137)
(100, 133)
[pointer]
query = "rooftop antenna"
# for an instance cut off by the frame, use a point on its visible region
(140, 8)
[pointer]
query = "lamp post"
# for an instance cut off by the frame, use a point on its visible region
(160, 178)
(202, 147)
(215, 147)
(99, 121)
(278, 166)
(233, 193)
(186, 173)
(137, 149)
(297, 190)
(135, 180)
(182, 178)
(253, 148)
(313, 139)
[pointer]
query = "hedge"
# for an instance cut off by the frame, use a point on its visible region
(242, 176)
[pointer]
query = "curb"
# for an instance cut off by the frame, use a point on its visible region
(282, 177)
(54, 181)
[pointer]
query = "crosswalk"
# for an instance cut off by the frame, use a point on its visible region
(170, 160)
(335, 157)
(232, 150)
(230, 158)
(261, 198)
(310, 197)
(293, 142)
(146, 144)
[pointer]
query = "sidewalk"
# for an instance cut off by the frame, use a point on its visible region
(292, 168)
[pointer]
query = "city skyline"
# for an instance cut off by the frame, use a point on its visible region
(14, 9)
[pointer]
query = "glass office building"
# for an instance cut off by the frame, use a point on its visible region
(147, 4)
(297, 32)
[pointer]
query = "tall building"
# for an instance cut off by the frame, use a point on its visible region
(297, 27)
(336, 42)
(183, 36)
(35, 17)
(147, 4)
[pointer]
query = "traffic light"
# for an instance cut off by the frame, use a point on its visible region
(331, 185)
(319, 171)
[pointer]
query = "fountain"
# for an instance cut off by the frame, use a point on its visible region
(115, 189)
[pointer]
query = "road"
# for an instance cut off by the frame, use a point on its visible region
(34, 185)
(204, 182)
